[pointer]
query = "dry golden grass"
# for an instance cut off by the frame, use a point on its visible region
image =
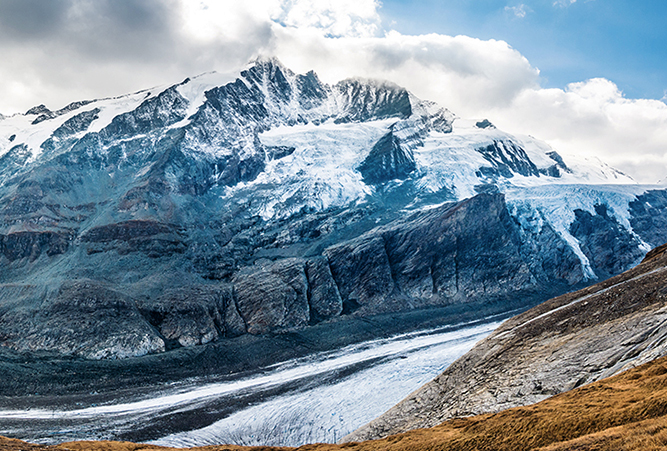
(626, 412)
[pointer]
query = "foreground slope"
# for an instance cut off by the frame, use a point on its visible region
(627, 411)
(561, 344)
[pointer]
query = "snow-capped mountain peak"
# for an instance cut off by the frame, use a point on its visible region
(269, 200)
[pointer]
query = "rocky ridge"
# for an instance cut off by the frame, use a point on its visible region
(569, 341)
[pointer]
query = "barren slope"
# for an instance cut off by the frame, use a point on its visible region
(561, 344)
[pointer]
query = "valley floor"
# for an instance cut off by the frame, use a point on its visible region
(625, 412)
(319, 397)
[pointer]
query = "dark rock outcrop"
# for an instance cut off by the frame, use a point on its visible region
(364, 101)
(507, 158)
(76, 124)
(194, 315)
(151, 237)
(273, 296)
(388, 160)
(323, 296)
(31, 245)
(609, 247)
(647, 219)
(86, 319)
(484, 123)
(434, 258)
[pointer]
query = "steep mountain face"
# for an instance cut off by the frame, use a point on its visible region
(559, 345)
(214, 208)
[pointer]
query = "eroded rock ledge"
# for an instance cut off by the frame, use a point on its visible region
(430, 258)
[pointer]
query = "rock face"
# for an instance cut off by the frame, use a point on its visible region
(561, 344)
(434, 258)
(609, 247)
(387, 161)
(85, 319)
(209, 209)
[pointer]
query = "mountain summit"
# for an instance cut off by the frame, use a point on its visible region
(182, 215)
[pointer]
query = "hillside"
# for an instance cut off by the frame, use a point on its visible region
(559, 345)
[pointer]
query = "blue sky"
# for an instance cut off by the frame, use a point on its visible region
(623, 41)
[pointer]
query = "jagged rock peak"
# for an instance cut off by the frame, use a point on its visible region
(363, 99)
(39, 109)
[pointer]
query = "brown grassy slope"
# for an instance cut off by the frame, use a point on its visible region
(625, 412)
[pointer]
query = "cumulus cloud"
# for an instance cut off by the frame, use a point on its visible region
(335, 18)
(594, 118)
(64, 50)
(465, 74)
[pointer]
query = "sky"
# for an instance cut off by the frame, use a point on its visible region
(587, 76)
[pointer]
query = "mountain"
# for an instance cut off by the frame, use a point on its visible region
(569, 341)
(215, 208)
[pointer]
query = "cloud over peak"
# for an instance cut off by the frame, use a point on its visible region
(340, 18)
(66, 50)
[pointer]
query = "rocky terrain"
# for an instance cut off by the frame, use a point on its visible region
(559, 345)
(215, 208)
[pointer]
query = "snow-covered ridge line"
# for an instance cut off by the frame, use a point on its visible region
(308, 146)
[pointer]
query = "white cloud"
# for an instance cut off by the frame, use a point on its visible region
(110, 50)
(335, 18)
(519, 11)
(465, 74)
(564, 3)
(594, 118)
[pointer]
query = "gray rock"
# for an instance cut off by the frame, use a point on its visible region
(234, 324)
(362, 273)
(272, 296)
(609, 247)
(387, 160)
(435, 258)
(189, 316)
(507, 158)
(561, 344)
(363, 101)
(323, 296)
(648, 219)
(86, 319)
(76, 124)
